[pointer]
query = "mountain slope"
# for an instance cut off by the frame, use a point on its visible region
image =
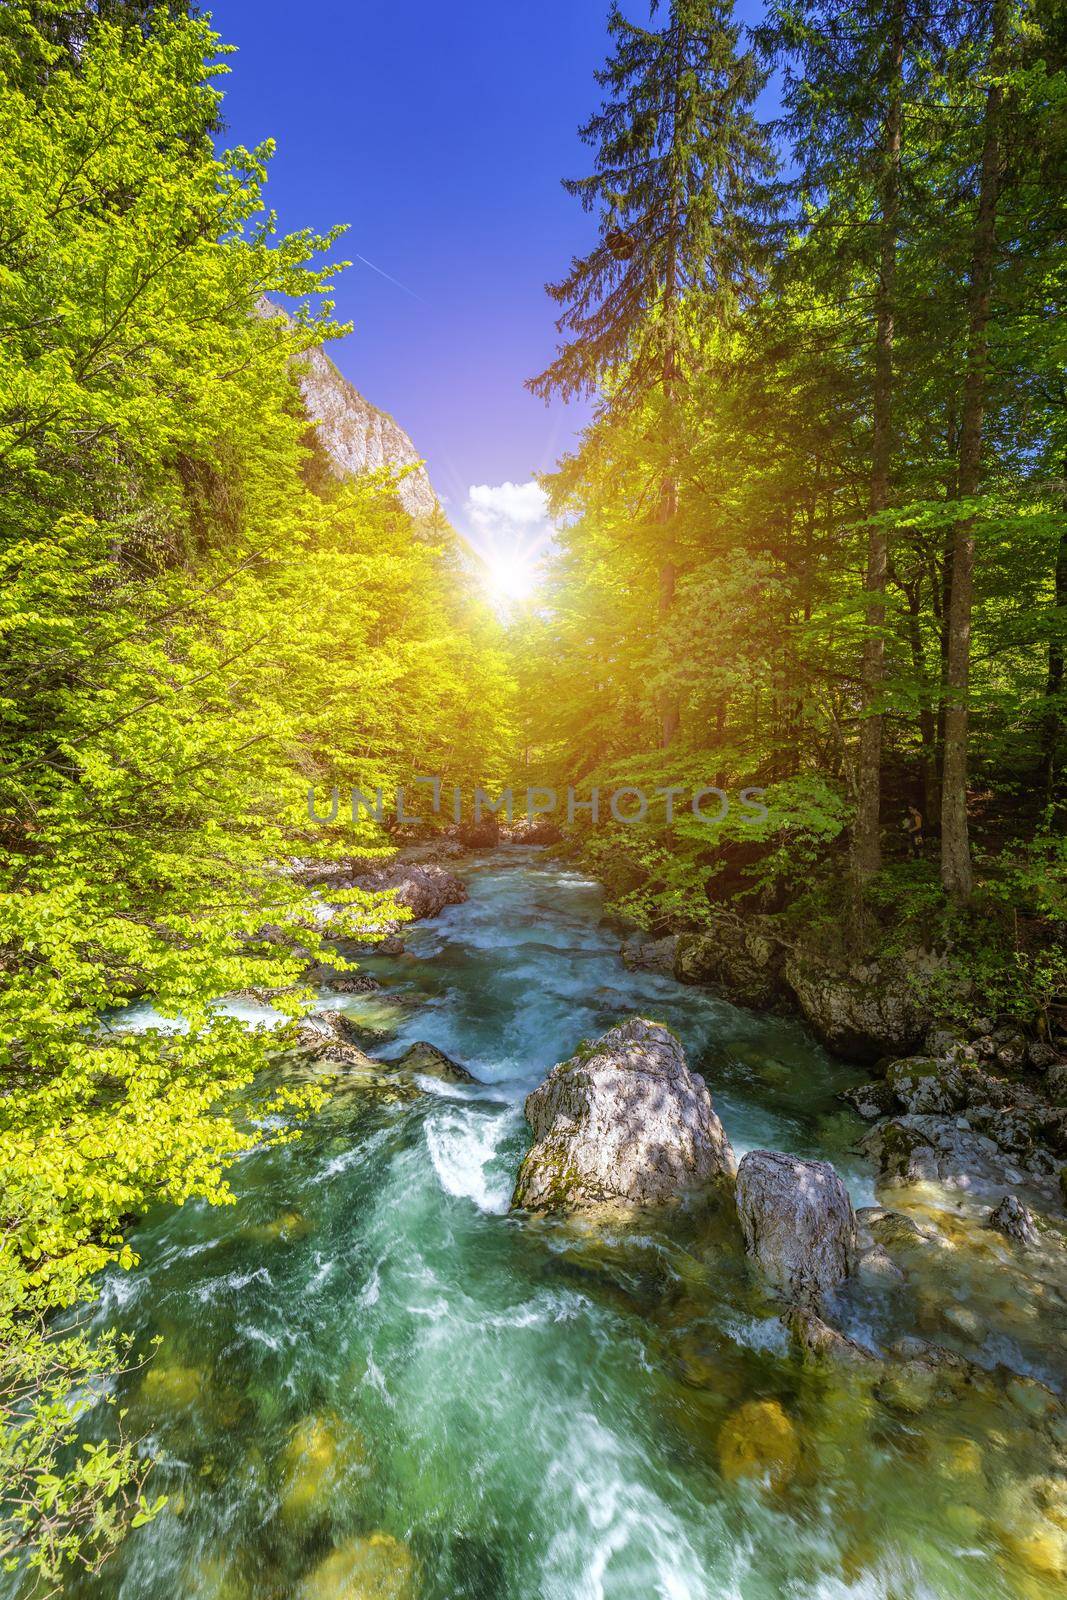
(357, 437)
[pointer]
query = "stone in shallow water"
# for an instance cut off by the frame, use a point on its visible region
(965, 1321)
(377, 1568)
(798, 1221)
(622, 1122)
(813, 1340)
(1014, 1219)
(172, 1386)
(909, 1388)
(320, 1451)
(216, 1579)
(432, 1063)
(1033, 1528)
(877, 1269)
(759, 1441)
(286, 1228)
(892, 1229)
(956, 1457)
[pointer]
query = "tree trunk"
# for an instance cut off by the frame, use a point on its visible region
(667, 579)
(1052, 737)
(927, 721)
(866, 833)
(956, 870)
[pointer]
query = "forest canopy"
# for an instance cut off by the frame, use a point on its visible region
(814, 542)
(815, 536)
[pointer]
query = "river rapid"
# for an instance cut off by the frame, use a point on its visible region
(374, 1381)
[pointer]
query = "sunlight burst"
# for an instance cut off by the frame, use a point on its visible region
(512, 574)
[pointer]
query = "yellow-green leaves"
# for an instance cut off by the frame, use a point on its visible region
(189, 637)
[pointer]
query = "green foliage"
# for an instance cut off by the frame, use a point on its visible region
(1005, 954)
(190, 638)
(76, 1499)
(746, 606)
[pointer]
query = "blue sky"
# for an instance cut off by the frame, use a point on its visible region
(440, 133)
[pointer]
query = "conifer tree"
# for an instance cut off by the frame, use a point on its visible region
(680, 160)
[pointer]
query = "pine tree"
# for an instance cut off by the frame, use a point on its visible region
(680, 160)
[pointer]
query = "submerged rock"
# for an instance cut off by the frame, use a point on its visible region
(213, 1578)
(892, 1230)
(173, 1387)
(320, 1452)
(284, 1229)
(1014, 1219)
(376, 1568)
(432, 1063)
(877, 1269)
(798, 1221)
(623, 1121)
(759, 1441)
(923, 1373)
(814, 1340)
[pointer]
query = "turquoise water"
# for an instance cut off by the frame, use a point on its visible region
(373, 1381)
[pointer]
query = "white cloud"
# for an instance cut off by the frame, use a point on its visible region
(515, 508)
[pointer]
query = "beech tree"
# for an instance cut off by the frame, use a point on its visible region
(191, 638)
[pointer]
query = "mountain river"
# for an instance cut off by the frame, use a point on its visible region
(372, 1381)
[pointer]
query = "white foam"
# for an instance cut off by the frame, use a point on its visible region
(232, 1283)
(463, 1144)
(616, 1535)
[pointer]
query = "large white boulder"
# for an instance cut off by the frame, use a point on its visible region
(622, 1122)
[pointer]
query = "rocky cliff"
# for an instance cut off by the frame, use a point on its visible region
(355, 436)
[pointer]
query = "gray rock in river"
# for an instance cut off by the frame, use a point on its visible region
(430, 1062)
(1014, 1219)
(425, 889)
(798, 1222)
(622, 1122)
(330, 1036)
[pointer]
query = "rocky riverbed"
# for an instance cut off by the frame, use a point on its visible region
(383, 1371)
